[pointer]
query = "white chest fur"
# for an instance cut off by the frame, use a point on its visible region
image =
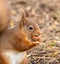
(14, 58)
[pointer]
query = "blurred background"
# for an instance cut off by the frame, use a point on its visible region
(47, 14)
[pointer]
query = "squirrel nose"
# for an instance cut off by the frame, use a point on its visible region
(36, 35)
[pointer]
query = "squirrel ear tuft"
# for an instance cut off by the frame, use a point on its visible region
(24, 17)
(22, 21)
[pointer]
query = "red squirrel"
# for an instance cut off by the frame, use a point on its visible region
(15, 41)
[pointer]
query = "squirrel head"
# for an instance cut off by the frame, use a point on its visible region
(27, 33)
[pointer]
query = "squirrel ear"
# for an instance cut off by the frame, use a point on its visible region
(23, 21)
(24, 17)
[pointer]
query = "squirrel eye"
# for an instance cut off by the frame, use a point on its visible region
(31, 28)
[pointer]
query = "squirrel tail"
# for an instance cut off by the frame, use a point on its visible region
(4, 15)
